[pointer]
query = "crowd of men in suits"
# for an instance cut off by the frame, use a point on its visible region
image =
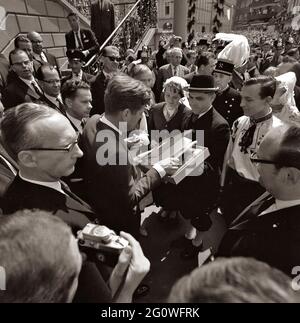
(70, 129)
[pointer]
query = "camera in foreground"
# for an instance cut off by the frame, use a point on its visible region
(104, 241)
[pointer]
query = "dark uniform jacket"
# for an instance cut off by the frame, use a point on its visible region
(228, 105)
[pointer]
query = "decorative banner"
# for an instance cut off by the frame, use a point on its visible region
(219, 8)
(191, 20)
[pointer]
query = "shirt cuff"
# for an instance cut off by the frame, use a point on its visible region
(162, 173)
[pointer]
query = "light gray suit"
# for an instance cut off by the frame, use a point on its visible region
(165, 72)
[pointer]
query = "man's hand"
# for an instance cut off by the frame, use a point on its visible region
(170, 165)
(130, 270)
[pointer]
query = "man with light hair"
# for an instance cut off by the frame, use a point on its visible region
(172, 69)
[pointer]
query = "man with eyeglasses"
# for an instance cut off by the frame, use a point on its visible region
(44, 144)
(49, 81)
(242, 186)
(269, 228)
(110, 66)
(40, 57)
(23, 87)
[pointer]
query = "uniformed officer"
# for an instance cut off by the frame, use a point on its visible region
(228, 100)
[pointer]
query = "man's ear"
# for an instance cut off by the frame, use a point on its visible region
(68, 103)
(290, 175)
(269, 99)
(125, 114)
(27, 158)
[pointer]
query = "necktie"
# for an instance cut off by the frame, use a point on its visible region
(60, 107)
(175, 71)
(255, 209)
(247, 138)
(78, 40)
(36, 89)
(82, 124)
(68, 192)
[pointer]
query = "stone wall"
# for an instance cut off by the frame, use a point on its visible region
(48, 17)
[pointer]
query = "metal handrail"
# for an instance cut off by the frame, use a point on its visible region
(96, 56)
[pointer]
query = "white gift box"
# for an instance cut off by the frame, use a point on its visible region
(191, 156)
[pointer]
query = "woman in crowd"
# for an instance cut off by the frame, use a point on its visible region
(168, 116)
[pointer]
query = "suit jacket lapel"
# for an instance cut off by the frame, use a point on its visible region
(32, 93)
(74, 202)
(37, 58)
(27, 89)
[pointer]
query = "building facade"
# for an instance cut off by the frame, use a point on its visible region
(204, 16)
(260, 14)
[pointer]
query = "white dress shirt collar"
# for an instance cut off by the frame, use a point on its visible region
(76, 122)
(279, 205)
(53, 99)
(44, 57)
(28, 82)
(285, 204)
(104, 120)
(54, 185)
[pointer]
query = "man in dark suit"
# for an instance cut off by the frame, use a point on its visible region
(110, 62)
(49, 81)
(40, 57)
(23, 87)
(82, 39)
(4, 67)
(172, 69)
(210, 129)
(102, 19)
(113, 183)
(45, 146)
(76, 60)
(269, 229)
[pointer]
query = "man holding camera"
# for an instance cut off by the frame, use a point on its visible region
(44, 144)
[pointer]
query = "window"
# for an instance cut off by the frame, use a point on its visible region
(167, 9)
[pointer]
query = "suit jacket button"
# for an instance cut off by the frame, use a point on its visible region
(226, 101)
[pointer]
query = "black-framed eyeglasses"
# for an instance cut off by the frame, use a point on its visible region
(113, 59)
(69, 148)
(52, 82)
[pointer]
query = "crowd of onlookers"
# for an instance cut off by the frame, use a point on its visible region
(66, 160)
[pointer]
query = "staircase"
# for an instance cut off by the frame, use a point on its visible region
(48, 17)
(136, 29)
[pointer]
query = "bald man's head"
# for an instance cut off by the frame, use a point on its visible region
(37, 41)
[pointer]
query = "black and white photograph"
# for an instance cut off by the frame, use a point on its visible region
(149, 154)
